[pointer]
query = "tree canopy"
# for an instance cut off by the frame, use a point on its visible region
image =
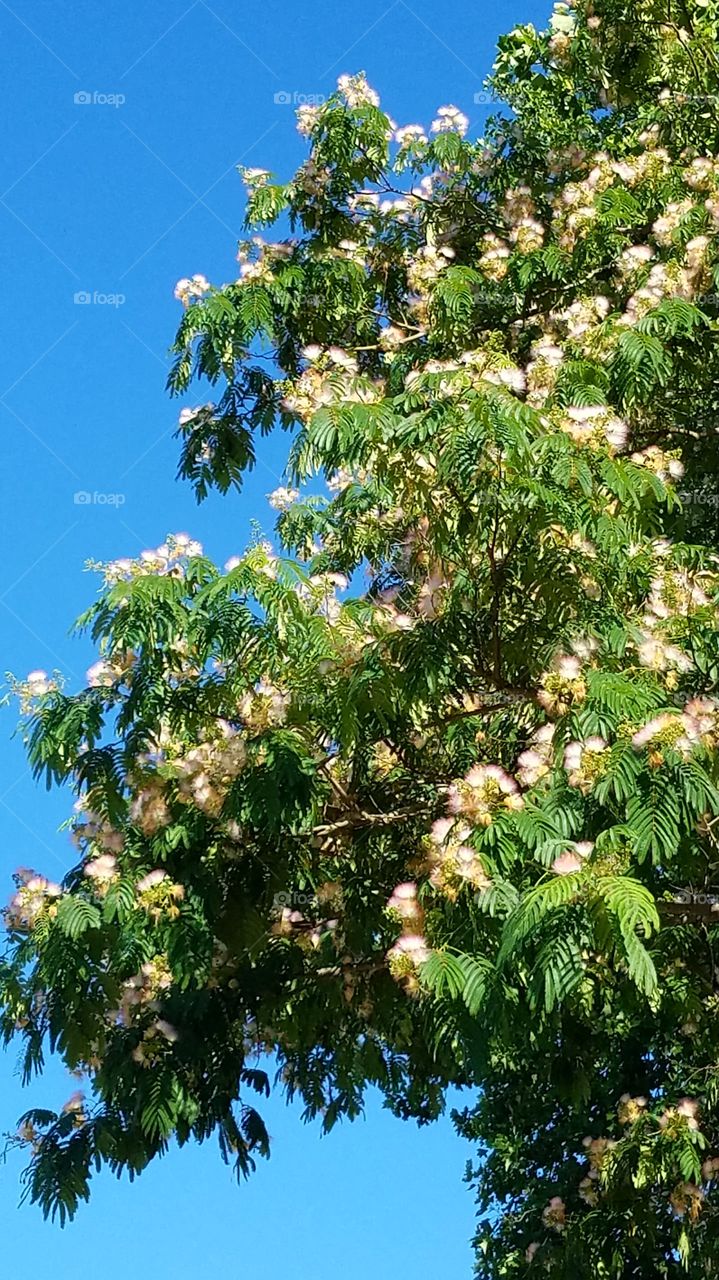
(425, 791)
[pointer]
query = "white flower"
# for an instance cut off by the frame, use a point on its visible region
(102, 868)
(568, 666)
(450, 120)
(100, 675)
(567, 863)
(281, 499)
(254, 177)
(187, 289)
(356, 91)
(410, 134)
(307, 116)
(188, 415)
(150, 881)
(312, 352)
(38, 683)
(167, 1030)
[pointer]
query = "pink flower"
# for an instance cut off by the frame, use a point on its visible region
(167, 1030)
(689, 1108)
(654, 727)
(415, 945)
(566, 864)
(411, 945)
(555, 1214)
(149, 881)
(583, 847)
(101, 868)
(404, 900)
(74, 1102)
(441, 829)
(568, 666)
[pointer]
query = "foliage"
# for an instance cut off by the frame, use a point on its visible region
(426, 793)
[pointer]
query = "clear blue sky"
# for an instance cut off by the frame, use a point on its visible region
(123, 200)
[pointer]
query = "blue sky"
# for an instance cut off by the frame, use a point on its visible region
(116, 195)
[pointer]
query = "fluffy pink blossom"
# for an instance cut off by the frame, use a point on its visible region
(404, 901)
(102, 868)
(150, 881)
(566, 863)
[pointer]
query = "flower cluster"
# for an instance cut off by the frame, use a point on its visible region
(281, 499)
(657, 654)
(426, 266)
(411, 949)
(686, 1200)
(149, 808)
(261, 558)
(487, 789)
(91, 829)
(535, 763)
(206, 772)
(595, 426)
(255, 257)
(35, 685)
(573, 858)
(154, 1043)
(554, 1215)
(170, 558)
(356, 91)
(586, 762)
(563, 686)
(307, 118)
(596, 1149)
(159, 895)
(403, 902)
(665, 465)
(494, 259)
(331, 376)
(676, 1120)
(450, 120)
(526, 232)
(253, 177)
(675, 592)
(541, 372)
(453, 863)
(264, 707)
(75, 1107)
(102, 871)
(670, 220)
(631, 1109)
(682, 731)
(188, 289)
(143, 990)
(410, 135)
(190, 418)
(319, 594)
(35, 894)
